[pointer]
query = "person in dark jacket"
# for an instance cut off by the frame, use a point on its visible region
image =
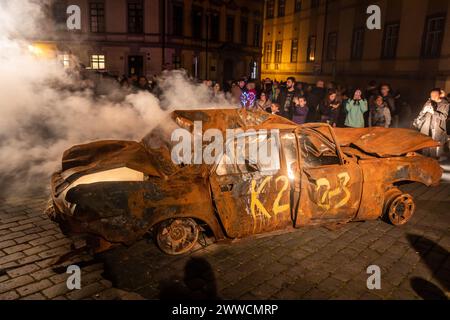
(286, 99)
(314, 98)
(329, 108)
(300, 111)
(388, 98)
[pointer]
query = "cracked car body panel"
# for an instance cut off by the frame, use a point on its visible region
(119, 190)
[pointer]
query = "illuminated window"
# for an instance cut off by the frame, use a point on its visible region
(98, 61)
(434, 32)
(332, 46)
(97, 16)
(65, 60)
(311, 53)
(281, 7)
(278, 51)
(267, 52)
(270, 9)
(298, 5)
(390, 41)
(135, 16)
(294, 50)
(357, 44)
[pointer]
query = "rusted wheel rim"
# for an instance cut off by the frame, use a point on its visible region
(401, 209)
(177, 236)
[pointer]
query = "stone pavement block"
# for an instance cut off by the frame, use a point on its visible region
(22, 227)
(54, 252)
(8, 225)
(33, 287)
(26, 238)
(286, 294)
(35, 296)
(42, 240)
(15, 283)
(10, 295)
(85, 291)
(34, 220)
(16, 248)
(56, 290)
(263, 291)
(11, 236)
(43, 274)
(35, 250)
(10, 258)
(27, 269)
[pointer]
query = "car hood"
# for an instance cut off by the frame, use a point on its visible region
(114, 154)
(384, 142)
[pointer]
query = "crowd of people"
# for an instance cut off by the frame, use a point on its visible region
(376, 105)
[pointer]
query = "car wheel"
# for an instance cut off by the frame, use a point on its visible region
(177, 236)
(400, 208)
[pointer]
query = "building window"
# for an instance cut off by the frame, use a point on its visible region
(298, 5)
(267, 52)
(433, 36)
(294, 50)
(256, 35)
(197, 17)
(390, 41)
(315, 3)
(65, 60)
(98, 62)
(270, 9)
(278, 51)
(281, 7)
(244, 31)
(97, 17)
(311, 52)
(177, 19)
(135, 16)
(357, 44)
(215, 26)
(332, 46)
(230, 28)
(59, 13)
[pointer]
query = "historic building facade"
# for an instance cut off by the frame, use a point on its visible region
(211, 39)
(329, 39)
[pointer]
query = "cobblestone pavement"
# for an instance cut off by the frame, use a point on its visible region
(310, 263)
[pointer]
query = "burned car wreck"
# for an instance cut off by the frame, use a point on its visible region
(115, 192)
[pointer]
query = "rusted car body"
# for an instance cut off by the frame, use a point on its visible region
(117, 191)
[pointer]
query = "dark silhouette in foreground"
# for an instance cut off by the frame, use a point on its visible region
(425, 289)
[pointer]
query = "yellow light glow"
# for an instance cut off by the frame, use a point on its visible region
(43, 50)
(35, 50)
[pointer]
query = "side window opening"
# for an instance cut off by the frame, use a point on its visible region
(317, 150)
(252, 153)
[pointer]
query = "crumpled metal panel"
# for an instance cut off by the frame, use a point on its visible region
(384, 142)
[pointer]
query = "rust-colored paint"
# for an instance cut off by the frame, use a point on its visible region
(350, 179)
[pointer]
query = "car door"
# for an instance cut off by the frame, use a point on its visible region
(252, 196)
(331, 184)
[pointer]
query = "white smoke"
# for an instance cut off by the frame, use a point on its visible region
(41, 114)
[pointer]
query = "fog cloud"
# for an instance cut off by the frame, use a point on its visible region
(44, 110)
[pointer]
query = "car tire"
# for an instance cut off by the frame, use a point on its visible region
(399, 207)
(177, 236)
